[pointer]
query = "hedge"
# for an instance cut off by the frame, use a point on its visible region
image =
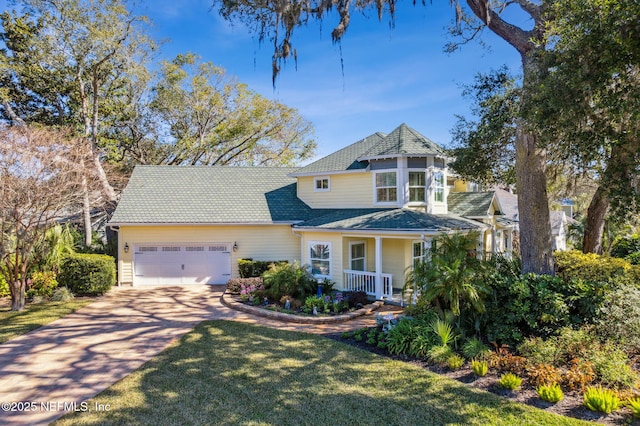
(4, 287)
(249, 268)
(574, 264)
(234, 285)
(88, 274)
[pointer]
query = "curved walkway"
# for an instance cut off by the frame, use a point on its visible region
(52, 370)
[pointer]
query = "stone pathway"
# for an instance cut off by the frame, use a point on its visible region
(52, 370)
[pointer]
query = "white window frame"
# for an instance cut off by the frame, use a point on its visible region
(423, 252)
(438, 187)
(318, 179)
(375, 188)
(426, 191)
(363, 258)
(329, 260)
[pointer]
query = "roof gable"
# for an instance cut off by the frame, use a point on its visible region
(471, 204)
(209, 195)
(404, 141)
(344, 159)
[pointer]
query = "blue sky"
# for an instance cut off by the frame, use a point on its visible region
(390, 76)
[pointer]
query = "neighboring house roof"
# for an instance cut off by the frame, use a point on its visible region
(209, 195)
(470, 204)
(404, 141)
(558, 220)
(345, 159)
(387, 220)
(508, 204)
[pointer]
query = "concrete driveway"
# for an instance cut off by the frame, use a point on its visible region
(52, 370)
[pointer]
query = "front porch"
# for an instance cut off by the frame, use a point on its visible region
(368, 282)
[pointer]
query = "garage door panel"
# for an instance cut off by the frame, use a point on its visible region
(182, 264)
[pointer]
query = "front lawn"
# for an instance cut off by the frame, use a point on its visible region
(229, 373)
(14, 324)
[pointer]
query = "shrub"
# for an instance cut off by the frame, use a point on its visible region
(479, 367)
(475, 349)
(88, 274)
(589, 266)
(597, 398)
(455, 361)
(400, 337)
(356, 298)
(235, 285)
(444, 331)
(612, 366)
(422, 342)
(624, 246)
(619, 317)
(633, 258)
(550, 393)
(579, 375)
(538, 350)
(439, 354)
(62, 294)
(249, 268)
(288, 279)
(634, 406)
(510, 381)
(504, 361)
(544, 374)
(42, 284)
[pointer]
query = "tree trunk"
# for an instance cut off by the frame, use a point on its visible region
(594, 228)
(18, 289)
(533, 206)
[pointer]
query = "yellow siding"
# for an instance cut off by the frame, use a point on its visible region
(260, 242)
(336, 252)
(460, 186)
(351, 190)
(394, 260)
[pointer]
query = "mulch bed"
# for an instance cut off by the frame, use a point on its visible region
(570, 406)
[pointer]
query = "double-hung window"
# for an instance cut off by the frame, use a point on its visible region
(321, 184)
(417, 187)
(386, 187)
(320, 258)
(357, 256)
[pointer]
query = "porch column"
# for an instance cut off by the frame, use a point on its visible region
(494, 245)
(480, 250)
(378, 268)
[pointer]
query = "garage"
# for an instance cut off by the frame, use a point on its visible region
(184, 263)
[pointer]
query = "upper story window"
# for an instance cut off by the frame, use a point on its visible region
(438, 187)
(386, 187)
(321, 184)
(417, 187)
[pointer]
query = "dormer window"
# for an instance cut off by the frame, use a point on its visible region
(386, 187)
(321, 184)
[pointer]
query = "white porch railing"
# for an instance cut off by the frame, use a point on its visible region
(366, 281)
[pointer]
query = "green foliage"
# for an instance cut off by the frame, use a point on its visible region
(510, 381)
(451, 279)
(479, 367)
(597, 398)
(444, 331)
(88, 274)
(439, 354)
(42, 284)
(538, 350)
(591, 267)
(249, 268)
(422, 342)
(618, 319)
(288, 279)
(550, 393)
(624, 246)
(455, 362)
(475, 349)
(62, 294)
(633, 258)
(400, 337)
(634, 406)
(4, 287)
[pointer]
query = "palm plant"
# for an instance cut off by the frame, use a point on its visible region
(452, 277)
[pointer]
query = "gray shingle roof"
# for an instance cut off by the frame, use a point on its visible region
(386, 220)
(404, 141)
(470, 204)
(180, 194)
(344, 159)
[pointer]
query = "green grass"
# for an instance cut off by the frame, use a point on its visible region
(14, 324)
(227, 373)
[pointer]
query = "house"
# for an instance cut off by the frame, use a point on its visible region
(360, 216)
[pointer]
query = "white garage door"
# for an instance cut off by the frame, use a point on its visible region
(175, 264)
